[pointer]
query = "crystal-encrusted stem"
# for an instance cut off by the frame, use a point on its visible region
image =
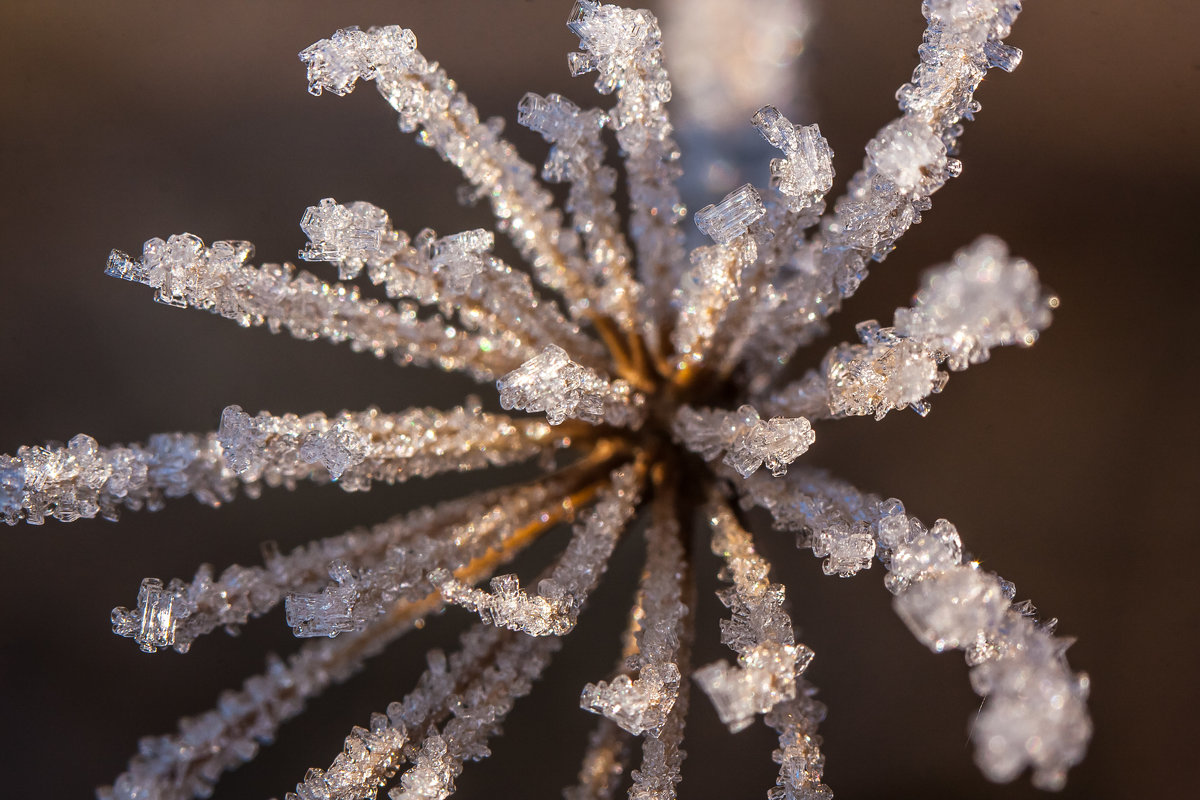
(216, 279)
(358, 448)
(624, 46)
(643, 704)
(577, 158)
(458, 557)
(780, 277)
(184, 611)
(662, 752)
(982, 299)
(427, 100)
(479, 711)
(188, 763)
(554, 608)
(759, 631)
(1035, 713)
(801, 762)
(714, 281)
(906, 163)
(457, 273)
(83, 479)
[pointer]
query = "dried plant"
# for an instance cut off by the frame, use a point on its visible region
(658, 386)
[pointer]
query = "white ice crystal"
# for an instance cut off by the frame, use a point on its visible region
(652, 383)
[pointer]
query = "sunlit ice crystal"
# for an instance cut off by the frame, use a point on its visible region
(909, 155)
(953, 607)
(553, 116)
(328, 612)
(336, 63)
(730, 218)
(806, 171)
(344, 235)
(152, 623)
(984, 298)
(653, 386)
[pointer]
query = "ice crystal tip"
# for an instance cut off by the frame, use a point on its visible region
(336, 64)
(805, 174)
(730, 218)
(635, 339)
(984, 298)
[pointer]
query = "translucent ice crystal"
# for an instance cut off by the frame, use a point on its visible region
(730, 218)
(344, 235)
(769, 660)
(805, 173)
(553, 383)
(747, 440)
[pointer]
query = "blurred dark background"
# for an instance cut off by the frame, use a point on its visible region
(1069, 468)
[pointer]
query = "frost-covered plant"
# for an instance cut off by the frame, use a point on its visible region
(622, 368)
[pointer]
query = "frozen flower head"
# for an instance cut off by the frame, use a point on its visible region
(654, 387)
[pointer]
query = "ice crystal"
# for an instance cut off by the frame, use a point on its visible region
(620, 364)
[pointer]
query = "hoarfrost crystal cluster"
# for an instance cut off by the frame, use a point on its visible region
(652, 384)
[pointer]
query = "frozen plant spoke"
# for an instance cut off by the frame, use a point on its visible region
(760, 631)
(1034, 714)
(983, 299)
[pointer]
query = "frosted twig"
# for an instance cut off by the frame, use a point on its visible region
(577, 158)
(187, 764)
(216, 279)
(715, 279)
(356, 449)
(476, 685)
(426, 99)
(984, 298)
(555, 607)
(907, 161)
(662, 752)
(176, 614)
(456, 273)
(1035, 712)
(643, 704)
(464, 552)
(485, 702)
(83, 479)
(760, 630)
(795, 203)
(799, 756)
(624, 46)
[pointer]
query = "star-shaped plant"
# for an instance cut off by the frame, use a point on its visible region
(657, 384)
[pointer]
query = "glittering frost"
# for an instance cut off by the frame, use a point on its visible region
(553, 383)
(1035, 712)
(553, 610)
(760, 631)
(984, 298)
(747, 440)
(644, 703)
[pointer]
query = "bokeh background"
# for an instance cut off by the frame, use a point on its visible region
(1069, 468)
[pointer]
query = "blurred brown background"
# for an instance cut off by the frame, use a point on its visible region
(1069, 468)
